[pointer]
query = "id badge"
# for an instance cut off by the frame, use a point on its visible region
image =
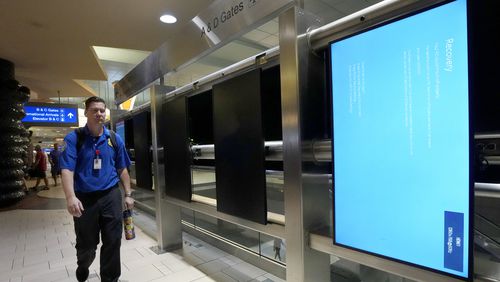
(97, 163)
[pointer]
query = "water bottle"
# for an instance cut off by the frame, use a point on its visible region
(128, 225)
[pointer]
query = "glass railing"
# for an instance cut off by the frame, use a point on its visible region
(487, 249)
(204, 190)
(203, 182)
(269, 247)
(487, 228)
(144, 198)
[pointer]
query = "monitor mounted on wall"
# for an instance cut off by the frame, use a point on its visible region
(402, 139)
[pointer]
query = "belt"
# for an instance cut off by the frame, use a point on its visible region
(96, 194)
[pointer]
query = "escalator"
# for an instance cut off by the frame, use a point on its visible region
(487, 207)
(486, 245)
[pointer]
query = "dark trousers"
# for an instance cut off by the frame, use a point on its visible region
(102, 213)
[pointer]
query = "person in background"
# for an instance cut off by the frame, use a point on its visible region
(55, 169)
(39, 168)
(90, 176)
(277, 248)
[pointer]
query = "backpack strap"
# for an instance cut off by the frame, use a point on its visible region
(80, 138)
(112, 136)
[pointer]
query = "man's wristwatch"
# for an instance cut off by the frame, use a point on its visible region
(128, 195)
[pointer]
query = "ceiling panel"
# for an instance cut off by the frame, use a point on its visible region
(256, 35)
(331, 10)
(51, 41)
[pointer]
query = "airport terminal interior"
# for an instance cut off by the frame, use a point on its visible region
(303, 141)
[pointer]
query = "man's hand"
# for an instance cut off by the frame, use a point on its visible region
(129, 203)
(74, 206)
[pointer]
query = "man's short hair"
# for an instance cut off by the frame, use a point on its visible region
(93, 99)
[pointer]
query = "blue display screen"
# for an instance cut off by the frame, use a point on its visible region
(51, 114)
(120, 129)
(401, 140)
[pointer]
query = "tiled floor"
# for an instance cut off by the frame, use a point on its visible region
(38, 245)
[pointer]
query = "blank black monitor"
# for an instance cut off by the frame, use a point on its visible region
(177, 153)
(142, 144)
(239, 147)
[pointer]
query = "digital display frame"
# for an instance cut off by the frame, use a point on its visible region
(402, 139)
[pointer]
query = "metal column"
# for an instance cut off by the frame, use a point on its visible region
(301, 196)
(168, 215)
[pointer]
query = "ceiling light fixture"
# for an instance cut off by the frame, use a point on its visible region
(168, 19)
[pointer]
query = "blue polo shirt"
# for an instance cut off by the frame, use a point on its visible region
(87, 179)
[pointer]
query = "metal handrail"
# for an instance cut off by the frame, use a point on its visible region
(318, 151)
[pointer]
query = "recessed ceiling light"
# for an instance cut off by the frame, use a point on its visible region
(168, 19)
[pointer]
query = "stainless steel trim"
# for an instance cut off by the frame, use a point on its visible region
(241, 65)
(486, 194)
(302, 263)
(485, 278)
(266, 56)
(262, 262)
(486, 136)
(486, 187)
(201, 167)
(271, 229)
(269, 173)
(273, 144)
(168, 217)
(276, 218)
(271, 216)
(155, 94)
(493, 160)
(143, 107)
(321, 151)
(205, 33)
(204, 200)
(325, 244)
(374, 15)
(291, 142)
(203, 152)
(274, 149)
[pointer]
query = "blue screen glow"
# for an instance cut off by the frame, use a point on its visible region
(401, 140)
(120, 129)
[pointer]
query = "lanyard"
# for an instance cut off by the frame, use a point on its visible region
(97, 161)
(97, 151)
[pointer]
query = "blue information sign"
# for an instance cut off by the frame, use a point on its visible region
(51, 114)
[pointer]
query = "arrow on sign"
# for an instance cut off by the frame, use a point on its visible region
(70, 115)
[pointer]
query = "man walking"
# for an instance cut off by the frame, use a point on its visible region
(55, 168)
(92, 164)
(39, 168)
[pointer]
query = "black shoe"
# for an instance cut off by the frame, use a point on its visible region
(82, 274)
